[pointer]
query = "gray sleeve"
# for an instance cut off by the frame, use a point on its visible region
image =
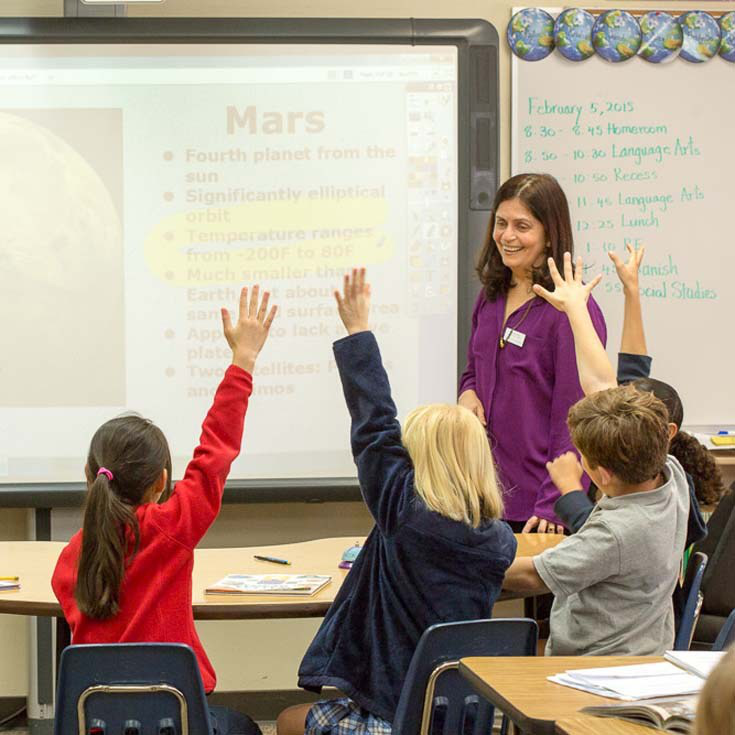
(578, 562)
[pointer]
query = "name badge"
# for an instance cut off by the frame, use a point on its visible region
(514, 337)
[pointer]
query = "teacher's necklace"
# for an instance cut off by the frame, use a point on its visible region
(518, 323)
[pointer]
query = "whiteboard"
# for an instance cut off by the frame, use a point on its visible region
(645, 154)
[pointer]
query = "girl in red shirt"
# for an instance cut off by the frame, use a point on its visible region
(126, 576)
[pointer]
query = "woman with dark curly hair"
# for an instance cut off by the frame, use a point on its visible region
(521, 376)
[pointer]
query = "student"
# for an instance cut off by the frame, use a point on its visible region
(634, 365)
(437, 552)
(716, 706)
(126, 576)
(613, 579)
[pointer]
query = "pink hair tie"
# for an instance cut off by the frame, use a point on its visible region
(105, 471)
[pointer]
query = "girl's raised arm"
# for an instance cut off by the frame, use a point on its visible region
(197, 498)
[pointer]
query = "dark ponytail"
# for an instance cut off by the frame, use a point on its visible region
(693, 457)
(700, 464)
(135, 453)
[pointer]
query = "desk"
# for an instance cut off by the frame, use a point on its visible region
(34, 561)
(588, 725)
(518, 686)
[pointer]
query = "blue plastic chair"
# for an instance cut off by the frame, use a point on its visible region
(111, 687)
(692, 583)
(435, 698)
(726, 636)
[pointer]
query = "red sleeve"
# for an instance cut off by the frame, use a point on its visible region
(197, 498)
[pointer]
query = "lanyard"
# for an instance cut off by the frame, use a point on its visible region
(518, 324)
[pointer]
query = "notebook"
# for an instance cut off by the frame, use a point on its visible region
(269, 584)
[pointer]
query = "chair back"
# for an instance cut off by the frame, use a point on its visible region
(435, 698)
(717, 586)
(108, 688)
(726, 636)
(693, 605)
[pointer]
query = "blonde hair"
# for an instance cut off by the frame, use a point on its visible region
(453, 466)
(716, 709)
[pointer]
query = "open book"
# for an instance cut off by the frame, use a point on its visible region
(670, 715)
(269, 584)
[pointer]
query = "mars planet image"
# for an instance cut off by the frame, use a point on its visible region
(60, 273)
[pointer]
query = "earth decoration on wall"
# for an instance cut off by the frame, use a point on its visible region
(616, 35)
(573, 34)
(661, 37)
(530, 34)
(701, 36)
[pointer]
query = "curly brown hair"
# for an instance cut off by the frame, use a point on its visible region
(693, 457)
(700, 464)
(546, 201)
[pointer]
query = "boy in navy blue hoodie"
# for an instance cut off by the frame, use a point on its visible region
(437, 553)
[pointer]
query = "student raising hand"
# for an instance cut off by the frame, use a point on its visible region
(248, 335)
(569, 292)
(633, 338)
(628, 271)
(353, 303)
(570, 295)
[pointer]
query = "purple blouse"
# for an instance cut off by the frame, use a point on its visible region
(526, 393)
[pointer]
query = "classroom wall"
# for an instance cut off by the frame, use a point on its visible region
(265, 654)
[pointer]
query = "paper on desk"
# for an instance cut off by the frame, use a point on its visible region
(630, 683)
(699, 663)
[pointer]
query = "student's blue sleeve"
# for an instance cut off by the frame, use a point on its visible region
(696, 527)
(574, 509)
(633, 367)
(384, 469)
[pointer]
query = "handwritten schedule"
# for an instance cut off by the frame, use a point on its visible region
(645, 154)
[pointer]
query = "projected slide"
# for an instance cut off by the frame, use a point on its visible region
(143, 185)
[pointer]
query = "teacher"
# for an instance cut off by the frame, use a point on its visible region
(521, 376)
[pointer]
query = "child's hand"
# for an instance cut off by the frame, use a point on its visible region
(354, 302)
(566, 472)
(628, 272)
(469, 400)
(247, 337)
(569, 292)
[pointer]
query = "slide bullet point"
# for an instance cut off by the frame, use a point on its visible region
(168, 196)
(170, 372)
(168, 156)
(169, 334)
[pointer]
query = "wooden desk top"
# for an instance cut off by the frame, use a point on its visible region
(519, 687)
(588, 725)
(34, 561)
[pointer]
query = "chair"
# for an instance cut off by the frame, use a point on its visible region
(726, 636)
(435, 698)
(692, 584)
(130, 689)
(717, 586)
